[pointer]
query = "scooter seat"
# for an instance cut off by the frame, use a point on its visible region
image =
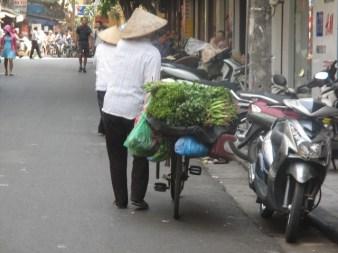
(261, 119)
(271, 99)
(190, 61)
(222, 83)
(200, 73)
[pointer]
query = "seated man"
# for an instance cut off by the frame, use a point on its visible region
(219, 41)
(164, 44)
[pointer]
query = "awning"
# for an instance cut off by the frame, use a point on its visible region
(42, 21)
(8, 13)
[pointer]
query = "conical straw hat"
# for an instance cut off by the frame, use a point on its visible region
(110, 35)
(142, 23)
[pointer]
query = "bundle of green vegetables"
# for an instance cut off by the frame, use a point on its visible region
(182, 104)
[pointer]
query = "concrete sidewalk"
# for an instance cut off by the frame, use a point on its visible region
(233, 176)
(325, 217)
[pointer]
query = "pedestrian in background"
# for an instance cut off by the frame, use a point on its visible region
(84, 43)
(8, 47)
(35, 43)
(136, 62)
(104, 58)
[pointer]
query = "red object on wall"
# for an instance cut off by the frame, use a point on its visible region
(329, 24)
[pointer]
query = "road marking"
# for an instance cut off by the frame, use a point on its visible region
(61, 246)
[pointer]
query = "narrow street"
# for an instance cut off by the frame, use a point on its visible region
(55, 187)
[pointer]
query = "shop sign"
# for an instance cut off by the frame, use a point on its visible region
(80, 10)
(320, 24)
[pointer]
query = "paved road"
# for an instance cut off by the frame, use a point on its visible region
(55, 190)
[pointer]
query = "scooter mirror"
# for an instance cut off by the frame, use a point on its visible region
(301, 73)
(321, 76)
(279, 80)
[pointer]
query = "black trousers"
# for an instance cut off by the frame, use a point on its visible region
(35, 46)
(117, 130)
(100, 99)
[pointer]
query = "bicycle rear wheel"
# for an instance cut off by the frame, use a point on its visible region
(178, 185)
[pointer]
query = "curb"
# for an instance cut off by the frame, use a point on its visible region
(325, 223)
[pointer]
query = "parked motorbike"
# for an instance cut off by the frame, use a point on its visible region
(290, 161)
(268, 103)
(210, 71)
(188, 55)
(234, 71)
(272, 104)
(289, 149)
(69, 50)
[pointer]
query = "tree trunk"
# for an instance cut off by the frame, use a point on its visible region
(128, 6)
(63, 5)
(260, 45)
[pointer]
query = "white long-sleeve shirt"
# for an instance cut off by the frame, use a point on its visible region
(104, 60)
(136, 62)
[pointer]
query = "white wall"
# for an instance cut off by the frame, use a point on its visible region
(277, 41)
(235, 34)
(329, 42)
(288, 42)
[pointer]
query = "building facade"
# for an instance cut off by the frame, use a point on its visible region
(304, 32)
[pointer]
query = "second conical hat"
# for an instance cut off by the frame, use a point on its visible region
(142, 23)
(110, 35)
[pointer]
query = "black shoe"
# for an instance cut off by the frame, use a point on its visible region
(80, 69)
(101, 131)
(84, 70)
(119, 206)
(140, 205)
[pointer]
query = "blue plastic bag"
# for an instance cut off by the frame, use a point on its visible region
(189, 146)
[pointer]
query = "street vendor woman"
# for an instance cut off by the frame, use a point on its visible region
(104, 58)
(137, 62)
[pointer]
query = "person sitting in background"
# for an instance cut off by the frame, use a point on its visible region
(219, 41)
(69, 37)
(217, 44)
(163, 43)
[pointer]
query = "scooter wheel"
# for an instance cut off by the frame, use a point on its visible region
(265, 212)
(295, 214)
